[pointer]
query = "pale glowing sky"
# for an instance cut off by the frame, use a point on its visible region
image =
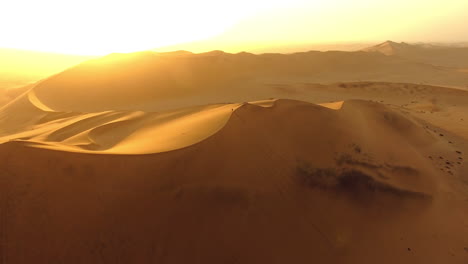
(98, 27)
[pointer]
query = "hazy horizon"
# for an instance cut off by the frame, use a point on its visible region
(103, 27)
(281, 131)
(203, 46)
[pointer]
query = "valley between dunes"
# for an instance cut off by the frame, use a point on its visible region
(286, 171)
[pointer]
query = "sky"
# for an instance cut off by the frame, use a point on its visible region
(99, 27)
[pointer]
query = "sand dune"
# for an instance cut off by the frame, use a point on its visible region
(214, 77)
(28, 118)
(445, 56)
(189, 158)
(311, 182)
(131, 132)
(21, 67)
(8, 95)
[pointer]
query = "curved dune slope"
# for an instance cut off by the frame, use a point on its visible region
(110, 132)
(138, 132)
(177, 158)
(290, 183)
(138, 80)
(115, 132)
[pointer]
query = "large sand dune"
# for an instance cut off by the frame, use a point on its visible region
(214, 77)
(187, 158)
(21, 67)
(29, 118)
(292, 182)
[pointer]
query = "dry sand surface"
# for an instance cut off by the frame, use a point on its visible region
(20, 67)
(209, 168)
(444, 56)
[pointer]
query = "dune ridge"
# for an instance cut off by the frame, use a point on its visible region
(315, 183)
(28, 118)
(112, 131)
(437, 55)
(190, 158)
(102, 84)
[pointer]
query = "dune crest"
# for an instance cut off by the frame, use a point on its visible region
(312, 182)
(115, 132)
(180, 158)
(175, 79)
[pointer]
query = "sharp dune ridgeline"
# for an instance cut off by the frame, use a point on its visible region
(315, 157)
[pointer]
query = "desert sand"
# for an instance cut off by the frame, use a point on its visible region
(238, 158)
(19, 68)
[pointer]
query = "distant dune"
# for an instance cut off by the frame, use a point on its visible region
(20, 67)
(237, 158)
(437, 55)
(8, 95)
(103, 84)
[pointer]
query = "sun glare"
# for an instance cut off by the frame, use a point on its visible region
(99, 27)
(90, 27)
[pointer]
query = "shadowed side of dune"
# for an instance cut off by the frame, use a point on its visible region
(305, 182)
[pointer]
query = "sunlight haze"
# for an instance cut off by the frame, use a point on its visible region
(102, 27)
(247, 131)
